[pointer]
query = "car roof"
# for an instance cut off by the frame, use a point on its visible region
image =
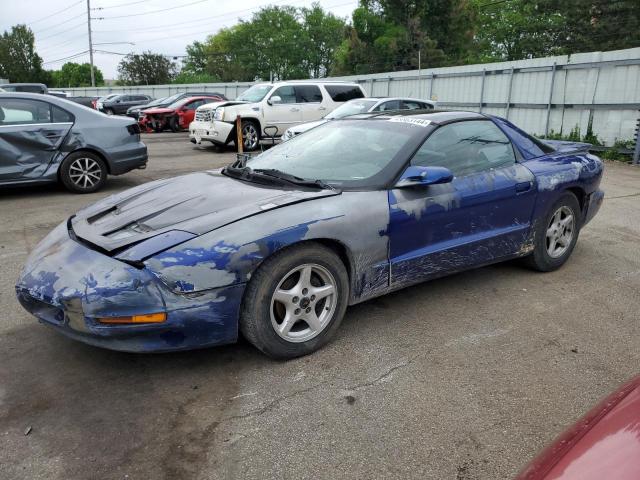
(434, 116)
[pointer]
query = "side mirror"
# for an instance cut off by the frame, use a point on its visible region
(416, 176)
(274, 99)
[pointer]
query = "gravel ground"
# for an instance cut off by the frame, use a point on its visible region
(466, 377)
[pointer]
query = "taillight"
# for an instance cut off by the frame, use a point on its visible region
(134, 129)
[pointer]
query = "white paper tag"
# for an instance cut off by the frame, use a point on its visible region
(421, 122)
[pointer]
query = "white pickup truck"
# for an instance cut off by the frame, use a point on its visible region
(269, 109)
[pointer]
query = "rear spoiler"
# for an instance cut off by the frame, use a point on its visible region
(566, 147)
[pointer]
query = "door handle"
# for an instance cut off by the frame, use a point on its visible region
(523, 187)
(295, 109)
(322, 108)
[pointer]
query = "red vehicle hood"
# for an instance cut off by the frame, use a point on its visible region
(604, 444)
(156, 111)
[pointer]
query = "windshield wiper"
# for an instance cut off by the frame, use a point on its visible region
(272, 172)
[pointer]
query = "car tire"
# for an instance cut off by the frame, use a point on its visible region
(83, 172)
(158, 127)
(556, 236)
(281, 298)
(250, 135)
(109, 111)
(174, 125)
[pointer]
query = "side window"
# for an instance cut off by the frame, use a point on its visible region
(59, 115)
(287, 94)
(412, 105)
(23, 112)
(466, 147)
(308, 94)
(193, 105)
(343, 93)
(390, 105)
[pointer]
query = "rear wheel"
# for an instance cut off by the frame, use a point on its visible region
(556, 235)
(295, 301)
(83, 172)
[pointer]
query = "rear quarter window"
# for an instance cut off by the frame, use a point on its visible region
(344, 93)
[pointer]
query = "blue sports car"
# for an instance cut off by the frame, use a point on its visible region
(277, 246)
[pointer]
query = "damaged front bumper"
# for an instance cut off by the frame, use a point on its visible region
(593, 204)
(69, 287)
(216, 131)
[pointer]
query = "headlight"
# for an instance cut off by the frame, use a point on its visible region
(218, 114)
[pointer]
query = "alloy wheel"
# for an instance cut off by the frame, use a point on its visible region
(303, 303)
(249, 136)
(560, 232)
(85, 172)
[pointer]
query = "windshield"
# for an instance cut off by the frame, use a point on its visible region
(255, 93)
(179, 103)
(108, 97)
(159, 101)
(351, 108)
(347, 151)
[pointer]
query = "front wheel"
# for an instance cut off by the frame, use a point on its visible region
(174, 125)
(250, 136)
(295, 301)
(109, 111)
(83, 172)
(556, 235)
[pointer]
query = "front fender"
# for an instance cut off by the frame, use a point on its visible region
(229, 255)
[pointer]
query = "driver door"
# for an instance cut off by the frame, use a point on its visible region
(481, 216)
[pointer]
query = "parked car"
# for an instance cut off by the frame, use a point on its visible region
(102, 99)
(176, 116)
(86, 101)
(278, 245)
(119, 104)
(49, 139)
(270, 109)
(134, 112)
(604, 444)
(362, 105)
(24, 87)
(58, 93)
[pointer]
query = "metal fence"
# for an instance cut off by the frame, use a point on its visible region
(542, 95)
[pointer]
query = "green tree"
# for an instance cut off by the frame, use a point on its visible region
(19, 61)
(76, 75)
(517, 29)
(323, 35)
(146, 69)
(399, 35)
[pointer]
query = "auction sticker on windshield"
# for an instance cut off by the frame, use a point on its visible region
(413, 121)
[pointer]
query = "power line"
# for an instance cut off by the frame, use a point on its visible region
(55, 13)
(153, 11)
(126, 4)
(61, 33)
(70, 57)
(58, 24)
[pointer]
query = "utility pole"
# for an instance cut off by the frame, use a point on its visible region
(419, 72)
(93, 78)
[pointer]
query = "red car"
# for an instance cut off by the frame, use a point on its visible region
(602, 445)
(176, 116)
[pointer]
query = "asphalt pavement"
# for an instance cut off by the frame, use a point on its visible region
(466, 377)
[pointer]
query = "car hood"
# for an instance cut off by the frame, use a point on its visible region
(303, 127)
(605, 443)
(224, 103)
(196, 203)
(157, 110)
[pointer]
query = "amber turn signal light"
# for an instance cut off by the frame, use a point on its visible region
(149, 318)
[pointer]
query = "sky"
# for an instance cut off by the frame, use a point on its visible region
(124, 26)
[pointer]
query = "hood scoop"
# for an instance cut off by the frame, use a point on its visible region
(196, 203)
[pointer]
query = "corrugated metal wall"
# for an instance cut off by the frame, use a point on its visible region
(540, 95)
